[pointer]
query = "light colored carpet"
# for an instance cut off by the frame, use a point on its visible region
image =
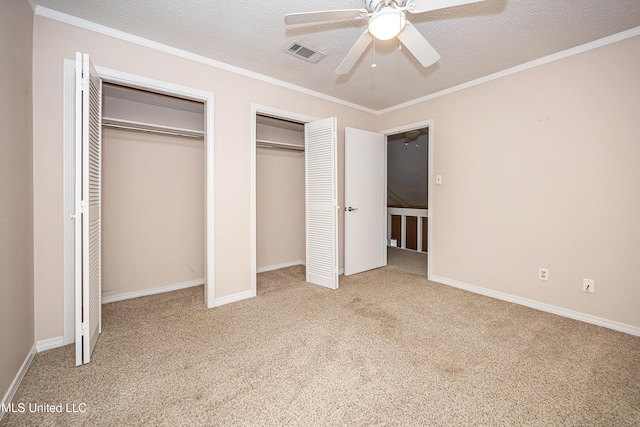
(387, 348)
(405, 261)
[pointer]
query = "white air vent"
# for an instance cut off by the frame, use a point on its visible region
(305, 52)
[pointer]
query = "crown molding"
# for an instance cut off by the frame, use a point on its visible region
(108, 31)
(121, 35)
(523, 67)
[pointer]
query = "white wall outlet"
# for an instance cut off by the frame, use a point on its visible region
(438, 179)
(588, 285)
(543, 274)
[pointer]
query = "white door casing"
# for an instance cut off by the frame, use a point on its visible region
(365, 201)
(321, 187)
(430, 181)
(87, 216)
(71, 227)
(73, 163)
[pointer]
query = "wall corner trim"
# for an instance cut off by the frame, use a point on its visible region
(15, 384)
(153, 291)
(587, 318)
(234, 298)
(279, 266)
(49, 344)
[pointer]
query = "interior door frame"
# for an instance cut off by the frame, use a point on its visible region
(276, 113)
(430, 181)
(130, 80)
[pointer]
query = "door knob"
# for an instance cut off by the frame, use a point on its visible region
(350, 209)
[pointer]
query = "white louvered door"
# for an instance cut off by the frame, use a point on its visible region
(88, 223)
(321, 182)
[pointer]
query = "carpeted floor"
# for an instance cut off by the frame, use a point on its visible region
(407, 261)
(387, 348)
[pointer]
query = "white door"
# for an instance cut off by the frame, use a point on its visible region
(87, 217)
(365, 201)
(321, 183)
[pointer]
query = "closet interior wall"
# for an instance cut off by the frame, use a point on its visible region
(280, 193)
(152, 192)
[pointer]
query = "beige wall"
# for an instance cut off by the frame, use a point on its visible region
(234, 94)
(152, 211)
(280, 193)
(542, 169)
(16, 194)
(280, 207)
(127, 104)
(152, 195)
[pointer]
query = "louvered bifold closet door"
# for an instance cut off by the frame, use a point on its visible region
(95, 232)
(88, 146)
(321, 202)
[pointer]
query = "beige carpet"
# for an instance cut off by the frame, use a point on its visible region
(387, 348)
(405, 261)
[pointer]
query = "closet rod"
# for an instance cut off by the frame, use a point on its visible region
(275, 144)
(151, 128)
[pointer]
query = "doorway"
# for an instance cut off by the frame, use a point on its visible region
(409, 197)
(281, 129)
(280, 193)
(152, 164)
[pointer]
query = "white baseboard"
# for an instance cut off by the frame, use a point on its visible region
(288, 264)
(13, 388)
(153, 291)
(599, 321)
(279, 266)
(50, 343)
(233, 298)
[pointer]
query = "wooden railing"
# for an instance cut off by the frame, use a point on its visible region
(404, 213)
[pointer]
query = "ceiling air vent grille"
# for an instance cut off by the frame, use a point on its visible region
(305, 52)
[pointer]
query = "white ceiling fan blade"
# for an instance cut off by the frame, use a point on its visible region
(418, 45)
(420, 6)
(325, 15)
(355, 53)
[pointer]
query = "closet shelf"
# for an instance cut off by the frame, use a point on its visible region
(275, 144)
(152, 128)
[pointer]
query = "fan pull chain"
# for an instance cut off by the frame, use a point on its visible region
(374, 54)
(400, 29)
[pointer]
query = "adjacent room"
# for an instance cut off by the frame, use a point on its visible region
(364, 212)
(408, 200)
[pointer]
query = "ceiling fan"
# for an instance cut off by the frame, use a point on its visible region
(387, 19)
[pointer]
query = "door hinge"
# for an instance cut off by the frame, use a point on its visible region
(85, 78)
(82, 329)
(84, 207)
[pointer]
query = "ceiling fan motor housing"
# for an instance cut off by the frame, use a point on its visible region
(375, 5)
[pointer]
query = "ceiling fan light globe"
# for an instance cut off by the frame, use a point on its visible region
(386, 23)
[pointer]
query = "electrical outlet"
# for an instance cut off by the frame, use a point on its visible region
(543, 274)
(588, 285)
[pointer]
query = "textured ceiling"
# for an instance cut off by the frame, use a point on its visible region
(474, 40)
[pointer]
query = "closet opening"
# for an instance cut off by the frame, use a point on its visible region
(153, 193)
(278, 187)
(137, 114)
(280, 193)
